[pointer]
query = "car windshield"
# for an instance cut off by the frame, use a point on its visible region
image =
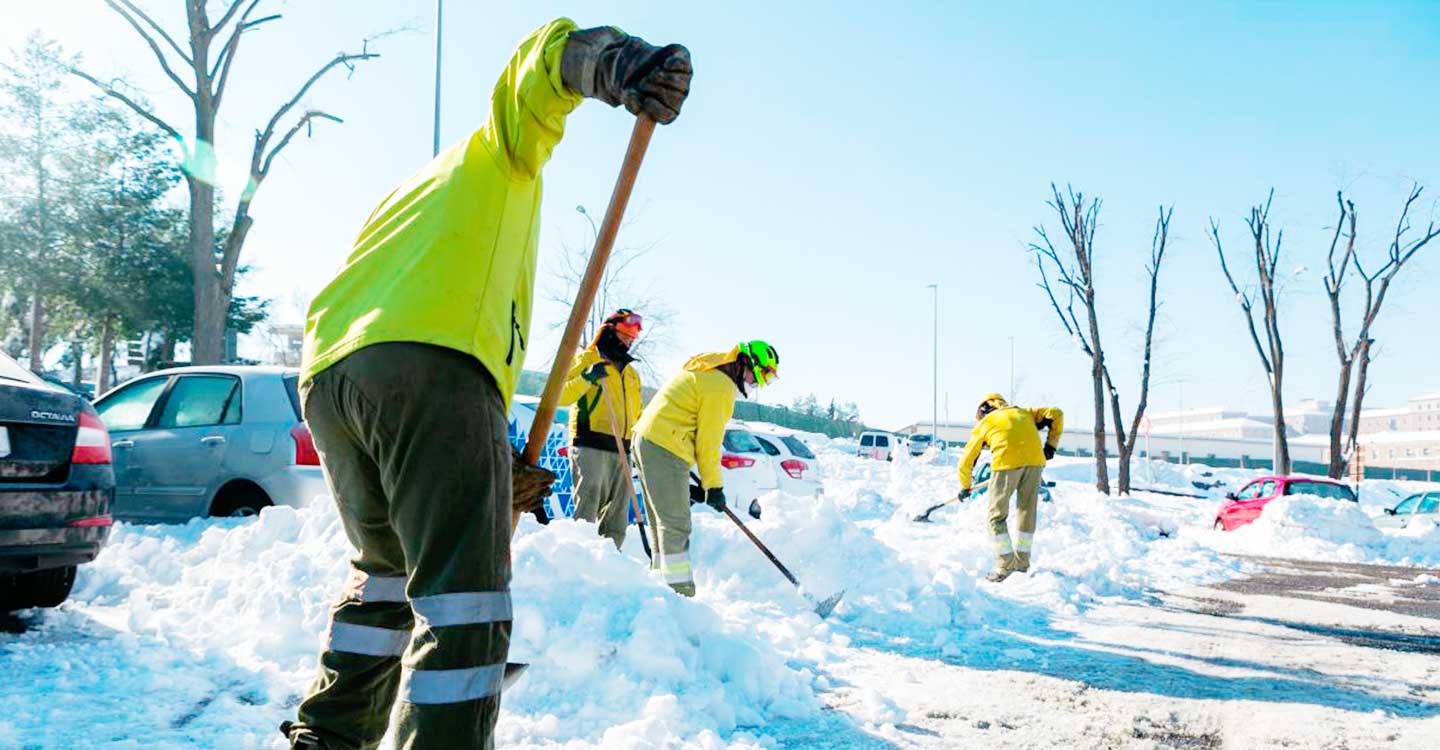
(740, 441)
(919, 438)
(1320, 489)
(797, 446)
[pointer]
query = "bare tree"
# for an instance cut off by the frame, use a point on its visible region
(1079, 222)
(1078, 281)
(1272, 351)
(208, 81)
(617, 289)
(1376, 284)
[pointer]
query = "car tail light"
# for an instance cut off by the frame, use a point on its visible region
(81, 523)
(733, 461)
(92, 441)
(305, 453)
(795, 468)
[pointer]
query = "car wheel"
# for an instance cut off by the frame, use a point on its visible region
(1219, 525)
(239, 501)
(41, 588)
(755, 509)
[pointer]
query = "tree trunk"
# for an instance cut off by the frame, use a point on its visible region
(107, 357)
(1097, 374)
(207, 334)
(1282, 443)
(1336, 468)
(77, 364)
(37, 333)
(1363, 360)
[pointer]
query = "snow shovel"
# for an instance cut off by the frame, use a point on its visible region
(925, 517)
(625, 467)
(585, 296)
(823, 608)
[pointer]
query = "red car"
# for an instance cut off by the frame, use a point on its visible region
(1244, 506)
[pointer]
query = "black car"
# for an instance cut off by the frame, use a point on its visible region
(56, 488)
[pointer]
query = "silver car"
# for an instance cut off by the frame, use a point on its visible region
(209, 441)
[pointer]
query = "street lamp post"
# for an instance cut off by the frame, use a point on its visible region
(935, 366)
(439, 24)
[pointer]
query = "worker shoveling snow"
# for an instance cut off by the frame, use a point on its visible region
(215, 623)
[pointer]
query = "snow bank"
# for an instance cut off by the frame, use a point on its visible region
(1314, 529)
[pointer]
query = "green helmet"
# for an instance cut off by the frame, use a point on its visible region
(764, 361)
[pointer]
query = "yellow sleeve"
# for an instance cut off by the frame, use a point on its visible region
(1052, 419)
(530, 102)
(575, 383)
(972, 452)
(716, 406)
(633, 397)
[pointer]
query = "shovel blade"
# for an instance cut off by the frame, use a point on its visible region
(826, 607)
(513, 670)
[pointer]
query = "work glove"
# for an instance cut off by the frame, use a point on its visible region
(607, 64)
(1049, 451)
(715, 498)
(697, 494)
(529, 485)
(595, 374)
(964, 495)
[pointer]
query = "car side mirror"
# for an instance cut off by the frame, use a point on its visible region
(1231, 497)
(1389, 511)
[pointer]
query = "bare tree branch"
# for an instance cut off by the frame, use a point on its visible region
(262, 139)
(150, 40)
(109, 90)
(155, 26)
(230, 13)
(303, 122)
(226, 58)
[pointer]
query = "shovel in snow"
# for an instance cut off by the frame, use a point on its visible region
(822, 608)
(925, 517)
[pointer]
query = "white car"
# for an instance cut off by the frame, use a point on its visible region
(796, 467)
(747, 469)
(1423, 506)
(875, 445)
(921, 442)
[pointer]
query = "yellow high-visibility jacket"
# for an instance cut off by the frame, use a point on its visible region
(1013, 436)
(687, 417)
(448, 258)
(590, 425)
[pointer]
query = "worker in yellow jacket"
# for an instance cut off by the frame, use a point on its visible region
(411, 356)
(684, 425)
(1017, 456)
(603, 391)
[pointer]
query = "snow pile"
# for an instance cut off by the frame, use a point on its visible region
(1310, 528)
(619, 660)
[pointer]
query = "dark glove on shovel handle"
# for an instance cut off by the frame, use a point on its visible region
(529, 486)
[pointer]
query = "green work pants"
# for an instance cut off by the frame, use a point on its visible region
(666, 480)
(412, 440)
(603, 491)
(1024, 484)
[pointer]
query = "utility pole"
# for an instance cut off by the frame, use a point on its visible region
(935, 367)
(1011, 394)
(439, 25)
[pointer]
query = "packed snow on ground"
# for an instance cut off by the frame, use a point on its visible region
(205, 634)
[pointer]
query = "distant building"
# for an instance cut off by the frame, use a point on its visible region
(1422, 414)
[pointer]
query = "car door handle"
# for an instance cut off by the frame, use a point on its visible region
(118, 444)
(213, 440)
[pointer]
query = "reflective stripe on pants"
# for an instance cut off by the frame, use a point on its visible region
(666, 478)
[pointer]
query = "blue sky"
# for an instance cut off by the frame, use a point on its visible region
(835, 158)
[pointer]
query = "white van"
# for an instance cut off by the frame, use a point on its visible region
(876, 445)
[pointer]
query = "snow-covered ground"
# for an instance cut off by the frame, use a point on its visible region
(204, 635)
